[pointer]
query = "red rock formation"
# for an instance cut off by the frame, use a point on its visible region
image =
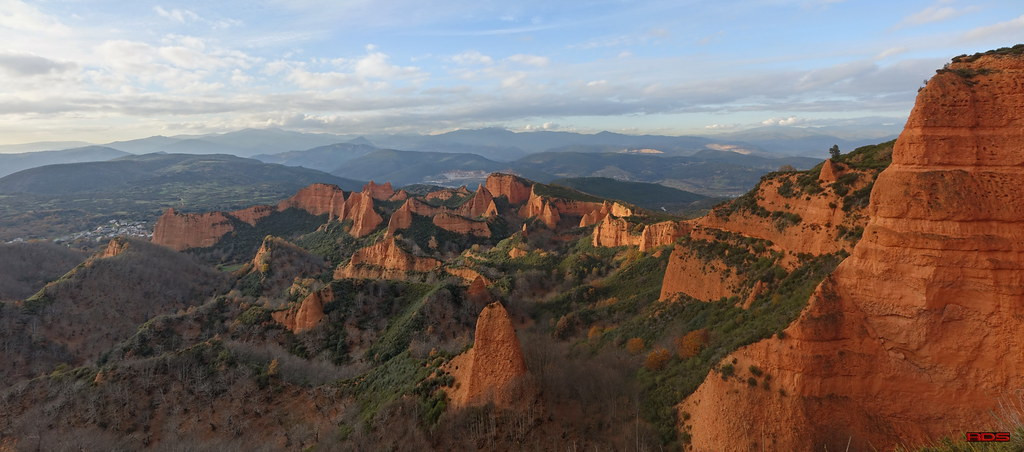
(542, 208)
(514, 188)
(401, 219)
(385, 260)
(917, 334)
(306, 315)
(704, 280)
(380, 192)
(612, 232)
(493, 371)
(190, 230)
(663, 233)
(317, 199)
(115, 247)
(461, 225)
(467, 274)
(400, 195)
(359, 209)
(480, 205)
(830, 171)
(478, 292)
(253, 214)
(445, 194)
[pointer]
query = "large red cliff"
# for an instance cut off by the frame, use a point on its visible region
(318, 199)
(380, 192)
(917, 334)
(480, 205)
(385, 260)
(493, 371)
(306, 315)
(514, 188)
(365, 220)
(180, 231)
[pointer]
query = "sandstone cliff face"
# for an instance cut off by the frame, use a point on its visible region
(514, 188)
(385, 260)
(306, 315)
(115, 247)
(380, 192)
(318, 199)
(480, 205)
(663, 233)
(461, 225)
(493, 371)
(253, 214)
(190, 230)
(359, 209)
(612, 231)
(400, 195)
(705, 280)
(916, 334)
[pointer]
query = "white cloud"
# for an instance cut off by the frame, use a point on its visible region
(376, 65)
(472, 57)
(529, 60)
(30, 65)
(1011, 30)
(18, 15)
(789, 121)
(178, 15)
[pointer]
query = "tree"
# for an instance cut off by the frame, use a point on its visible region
(786, 168)
(657, 359)
(690, 344)
(834, 151)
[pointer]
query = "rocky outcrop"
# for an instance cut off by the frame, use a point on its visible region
(445, 194)
(705, 280)
(401, 219)
(253, 214)
(181, 231)
(830, 171)
(359, 209)
(467, 274)
(493, 371)
(513, 188)
(480, 205)
(400, 195)
(115, 247)
(916, 334)
(612, 232)
(461, 225)
(592, 217)
(663, 233)
(385, 260)
(380, 192)
(306, 315)
(318, 199)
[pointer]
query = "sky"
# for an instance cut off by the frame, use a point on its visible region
(101, 70)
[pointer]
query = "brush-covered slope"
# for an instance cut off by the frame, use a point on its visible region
(98, 303)
(26, 267)
(407, 167)
(916, 335)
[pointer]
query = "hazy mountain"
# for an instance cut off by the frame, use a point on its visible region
(42, 146)
(711, 173)
(163, 170)
(810, 141)
(651, 196)
(408, 167)
(323, 157)
(12, 163)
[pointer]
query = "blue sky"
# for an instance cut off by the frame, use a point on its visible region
(106, 70)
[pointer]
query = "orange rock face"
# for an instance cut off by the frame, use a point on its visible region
(307, 314)
(365, 220)
(253, 214)
(493, 371)
(480, 205)
(613, 232)
(380, 192)
(400, 195)
(830, 171)
(190, 230)
(317, 199)
(461, 225)
(514, 188)
(385, 260)
(917, 334)
(663, 233)
(115, 247)
(700, 279)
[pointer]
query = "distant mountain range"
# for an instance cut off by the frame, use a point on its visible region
(12, 163)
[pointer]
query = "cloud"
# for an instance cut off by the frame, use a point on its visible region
(472, 57)
(1011, 30)
(178, 15)
(18, 15)
(30, 65)
(789, 121)
(529, 60)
